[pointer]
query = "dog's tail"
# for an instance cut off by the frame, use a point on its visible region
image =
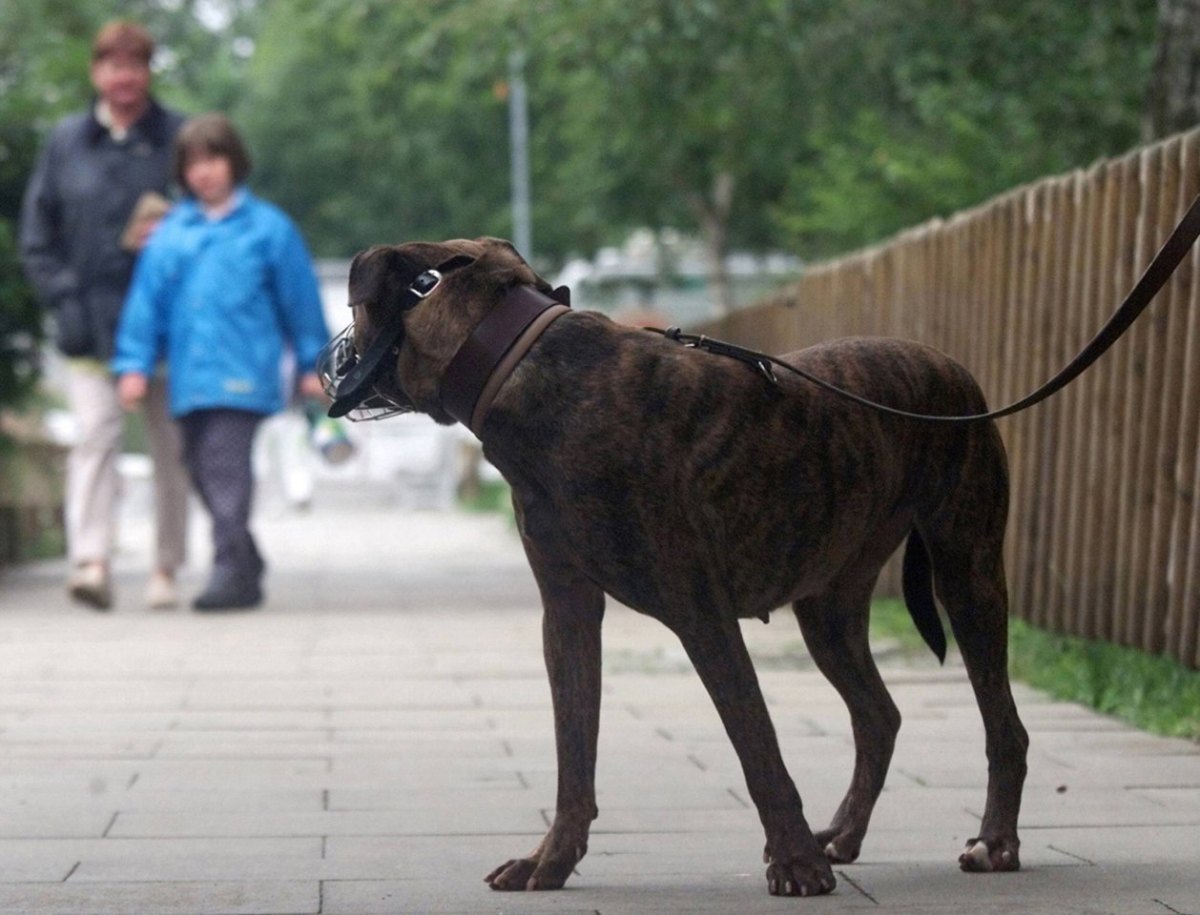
(918, 594)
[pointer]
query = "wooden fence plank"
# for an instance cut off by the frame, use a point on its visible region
(1170, 502)
(1059, 217)
(1112, 562)
(1152, 598)
(1099, 390)
(1138, 340)
(1184, 559)
(1021, 442)
(1053, 591)
(1082, 325)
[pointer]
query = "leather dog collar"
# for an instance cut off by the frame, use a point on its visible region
(497, 344)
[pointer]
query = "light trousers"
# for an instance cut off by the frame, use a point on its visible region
(93, 486)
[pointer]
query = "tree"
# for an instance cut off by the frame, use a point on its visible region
(1173, 99)
(796, 124)
(378, 121)
(675, 113)
(669, 113)
(928, 107)
(35, 69)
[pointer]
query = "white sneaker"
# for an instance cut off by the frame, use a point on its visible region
(161, 593)
(88, 583)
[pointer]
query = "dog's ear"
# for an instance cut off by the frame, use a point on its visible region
(506, 246)
(503, 254)
(378, 276)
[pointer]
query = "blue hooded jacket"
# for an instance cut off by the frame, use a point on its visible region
(219, 299)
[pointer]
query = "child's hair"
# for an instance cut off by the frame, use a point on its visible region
(214, 135)
(123, 37)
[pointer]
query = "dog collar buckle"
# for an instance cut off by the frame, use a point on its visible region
(422, 287)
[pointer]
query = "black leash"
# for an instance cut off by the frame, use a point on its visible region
(1147, 287)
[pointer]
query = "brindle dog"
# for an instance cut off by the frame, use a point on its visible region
(692, 489)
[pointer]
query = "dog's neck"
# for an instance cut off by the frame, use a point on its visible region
(493, 350)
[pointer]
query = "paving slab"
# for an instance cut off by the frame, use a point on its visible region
(379, 736)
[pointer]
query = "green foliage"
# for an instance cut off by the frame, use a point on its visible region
(383, 122)
(792, 124)
(491, 497)
(1152, 693)
(21, 67)
(890, 622)
(20, 326)
(659, 101)
(834, 124)
(932, 107)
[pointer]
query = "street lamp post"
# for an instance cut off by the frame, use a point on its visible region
(518, 131)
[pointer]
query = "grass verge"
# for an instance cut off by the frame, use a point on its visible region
(489, 496)
(1150, 692)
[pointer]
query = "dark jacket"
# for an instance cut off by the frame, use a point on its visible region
(79, 198)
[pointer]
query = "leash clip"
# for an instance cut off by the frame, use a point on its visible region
(758, 361)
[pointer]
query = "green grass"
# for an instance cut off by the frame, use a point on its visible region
(491, 496)
(1150, 692)
(890, 622)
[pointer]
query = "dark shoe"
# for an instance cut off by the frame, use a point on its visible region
(230, 592)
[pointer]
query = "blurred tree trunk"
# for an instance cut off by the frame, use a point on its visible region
(1173, 100)
(712, 215)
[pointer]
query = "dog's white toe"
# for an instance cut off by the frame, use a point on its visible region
(979, 854)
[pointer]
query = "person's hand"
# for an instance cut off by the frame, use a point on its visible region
(131, 389)
(310, 386)
(141, 231)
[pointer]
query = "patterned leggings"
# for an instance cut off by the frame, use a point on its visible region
(217, 448)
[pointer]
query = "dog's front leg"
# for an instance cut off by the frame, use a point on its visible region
(796, 865)
(573, 611)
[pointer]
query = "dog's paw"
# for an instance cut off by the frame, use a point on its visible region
(987, 855)
(799, 878)
(839, 847)
(516, 874)
(539, 872)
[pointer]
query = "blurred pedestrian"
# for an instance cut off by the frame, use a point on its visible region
(79, 238)
(222, 286)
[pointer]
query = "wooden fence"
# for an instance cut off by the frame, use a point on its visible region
(1104, 532)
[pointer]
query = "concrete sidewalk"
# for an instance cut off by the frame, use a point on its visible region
(378, 738)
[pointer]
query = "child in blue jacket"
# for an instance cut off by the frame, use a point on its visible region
(223, 283)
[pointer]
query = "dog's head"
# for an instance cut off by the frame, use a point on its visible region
(413, 305)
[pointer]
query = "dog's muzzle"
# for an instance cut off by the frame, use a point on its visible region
(351, 378)
(336, 363)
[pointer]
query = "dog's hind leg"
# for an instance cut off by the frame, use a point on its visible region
(573, 612)
(969, 574)
(834, 625)
(795, 864)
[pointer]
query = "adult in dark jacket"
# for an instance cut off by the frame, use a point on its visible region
(79, 240)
